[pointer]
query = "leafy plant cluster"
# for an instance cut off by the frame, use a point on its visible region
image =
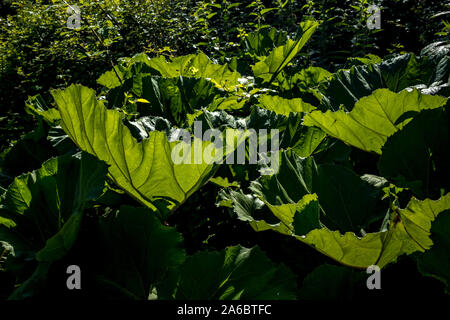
(363, 179)
(38, 52)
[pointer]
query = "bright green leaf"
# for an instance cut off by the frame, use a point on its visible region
(374, 118)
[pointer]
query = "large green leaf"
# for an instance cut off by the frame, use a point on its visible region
(303, 216)
(171, 98)
(234, 273)
(126, 69)
(408, 232)
(305, 84)
(195, 66)
(137, 257)
(292, 133)
(144, 170)
(300, 188)
(303, 140)
(283, 106)
(348, 203)
(136, 251)
(418, 156)
(42, 210)
(409, 229)
(436, 261)
(348, 86)
(269, 68)
(175, 98)
(293, 180)
(259, 43)
(137, 75)
(374, 118)
(310, 77)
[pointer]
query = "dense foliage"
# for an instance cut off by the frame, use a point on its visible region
(362, 175)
